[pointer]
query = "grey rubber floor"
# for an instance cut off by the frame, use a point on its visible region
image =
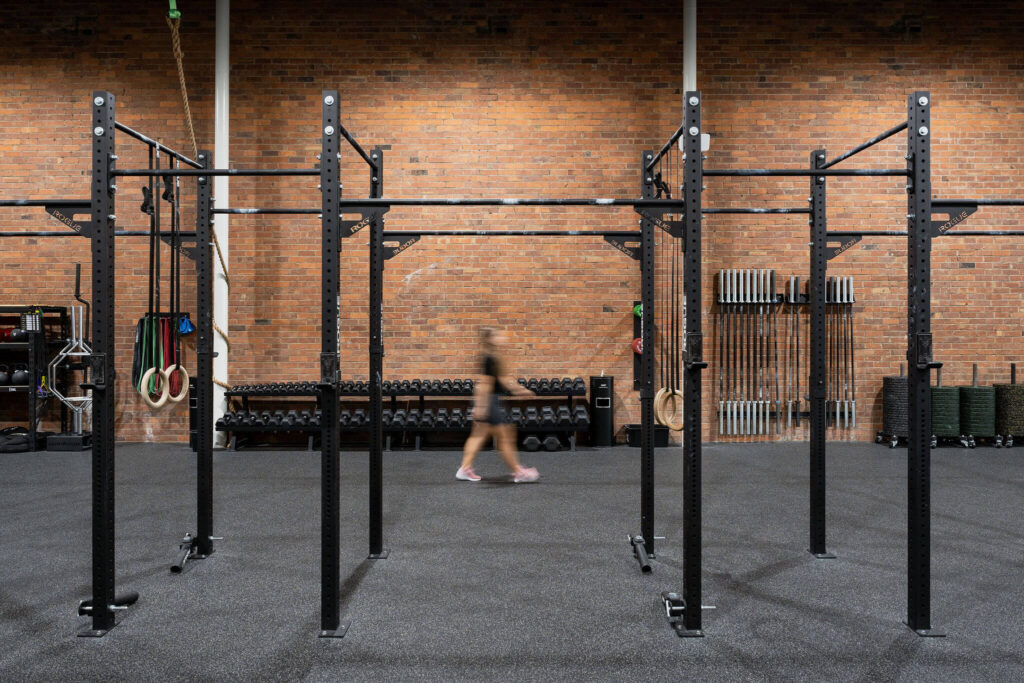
(489, 580)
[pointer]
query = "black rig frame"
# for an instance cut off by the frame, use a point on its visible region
(684, 610)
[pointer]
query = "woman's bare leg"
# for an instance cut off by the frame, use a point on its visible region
(507, 446)
(476, 440)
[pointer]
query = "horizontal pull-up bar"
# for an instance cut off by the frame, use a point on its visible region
(215, 171)
(153, 143)
(870, 143)
(728, 210)
(65, 233)
(45, 202)
(625, 234)
(806, 172)
(268, 211)
(977, 202)
(903, 233)
(531, 203)
(427, 201)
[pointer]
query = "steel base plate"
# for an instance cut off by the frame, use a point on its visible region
(338, 632)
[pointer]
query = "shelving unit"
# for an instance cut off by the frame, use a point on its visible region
(35, 353)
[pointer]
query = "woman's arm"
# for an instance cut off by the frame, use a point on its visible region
(515, 387)
(482, 390)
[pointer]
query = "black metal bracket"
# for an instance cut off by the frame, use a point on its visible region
(675, 609)
(695, 351)
(923, 347)
(347, 228)
(97, 372)
(329, 375)
(393, 249)
(834, 247)
(957, 215)
(66, 215)
(672, 227)
(630, 247)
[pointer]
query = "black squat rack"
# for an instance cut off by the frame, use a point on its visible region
(679, 217)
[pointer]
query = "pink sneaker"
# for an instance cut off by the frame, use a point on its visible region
(526, 475)
(467, 474)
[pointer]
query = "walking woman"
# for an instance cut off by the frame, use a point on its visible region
(489, 419)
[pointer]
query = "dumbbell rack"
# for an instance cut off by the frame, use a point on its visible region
(357, 420)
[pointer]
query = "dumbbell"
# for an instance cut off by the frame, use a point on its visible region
(385, 387)
(413, 420)
(533, 385)
(552, 443)
(515, 415)
(547, 416)
(457, 387)
(305, 418)
(385, 417)
(290, 419)
(359, 417)
(344, 418)
(427, 418)
(566, 384)
(447, 387)
(582, 419)
(545, 386)
(578, 386)
(457, 419)
(441, 421)
(522, 381)
(399, 419)
(563, 417)
(531, 443)
(435, 387)
(414, 386)
(532, 419)
(404, 387)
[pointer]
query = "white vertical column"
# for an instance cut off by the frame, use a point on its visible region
(689, 46)
(222, 159)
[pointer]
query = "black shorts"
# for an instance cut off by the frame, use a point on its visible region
(496, 411)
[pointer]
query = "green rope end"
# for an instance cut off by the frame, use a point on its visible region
(173, 12)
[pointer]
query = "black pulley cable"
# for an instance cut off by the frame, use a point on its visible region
(174, 190)
(154, 378)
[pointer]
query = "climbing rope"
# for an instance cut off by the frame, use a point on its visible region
(173, 22)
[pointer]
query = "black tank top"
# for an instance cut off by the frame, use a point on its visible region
(491, 370)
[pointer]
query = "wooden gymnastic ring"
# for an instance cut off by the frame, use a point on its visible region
(184, 383)
(165, 387)
(675, 399)
(657, 401)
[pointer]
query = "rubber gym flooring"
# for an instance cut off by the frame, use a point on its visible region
(515, 582)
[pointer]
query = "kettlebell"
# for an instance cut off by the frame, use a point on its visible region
(5, 375)
(20, 375)
(18, 335)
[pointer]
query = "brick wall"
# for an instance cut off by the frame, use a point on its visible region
(502, 99)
